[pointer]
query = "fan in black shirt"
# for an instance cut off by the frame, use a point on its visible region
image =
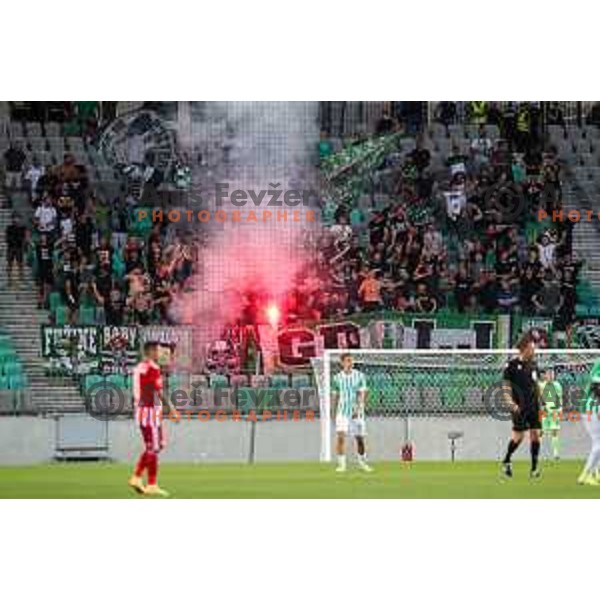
(421, 157)
(14, 159)
(462, 288)
(16, 234)
(522, 394)
(45, 268)
(83, 235)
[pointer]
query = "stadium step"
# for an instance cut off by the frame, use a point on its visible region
(585, 236)
(21, 319)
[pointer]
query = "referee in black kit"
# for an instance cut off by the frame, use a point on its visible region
(522, 394)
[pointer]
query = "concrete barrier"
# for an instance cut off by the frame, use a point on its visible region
(31, 440)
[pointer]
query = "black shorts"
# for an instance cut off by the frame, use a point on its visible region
(526, 419)
(14, 255)
(45, 276)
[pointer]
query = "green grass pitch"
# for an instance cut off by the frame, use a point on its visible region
(299, 480)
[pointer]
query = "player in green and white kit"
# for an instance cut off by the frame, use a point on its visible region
(551, 395)
(349, 392)
(590, 417)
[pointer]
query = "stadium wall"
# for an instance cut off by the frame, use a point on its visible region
(31, 440)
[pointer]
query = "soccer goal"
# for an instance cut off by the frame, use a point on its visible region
(422, 383)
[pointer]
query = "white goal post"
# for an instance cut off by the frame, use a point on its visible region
(435, 382)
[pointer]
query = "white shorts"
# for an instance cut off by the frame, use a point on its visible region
(356, 427)
(592, 426)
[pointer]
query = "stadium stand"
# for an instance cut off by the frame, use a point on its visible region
(426, 209)
(580, 146)
(449, 221)
(83, 242)
(91, 259)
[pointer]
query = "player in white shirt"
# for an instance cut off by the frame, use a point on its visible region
(590, 417)
(349, 392)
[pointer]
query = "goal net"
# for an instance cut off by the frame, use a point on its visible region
(424, 383)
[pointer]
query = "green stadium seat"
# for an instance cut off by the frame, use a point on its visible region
(175, 382)
(61, 315)
(328, 212)
(593, 310)
(12, 368)
(3, 382)
(90, 381)
(453, 389)
(430, 390)
(116, 380)
(218, 381)
(94, 382)
(6, 353)
(386, 391)
(581, 310)
(121, 396)
(87, 299)
(280, 381)
(87, 315)
(54, 300)
(17, 381)
(395, 392)
(487, 382)
(356, 217)
(300, 380)
(6, 364)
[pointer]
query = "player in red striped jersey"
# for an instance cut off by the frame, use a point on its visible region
(148, 406)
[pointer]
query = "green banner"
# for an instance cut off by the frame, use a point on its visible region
(106, 350)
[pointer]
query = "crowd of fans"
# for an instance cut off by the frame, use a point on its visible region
(452, 227)
(464, 236)
(90, 251)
